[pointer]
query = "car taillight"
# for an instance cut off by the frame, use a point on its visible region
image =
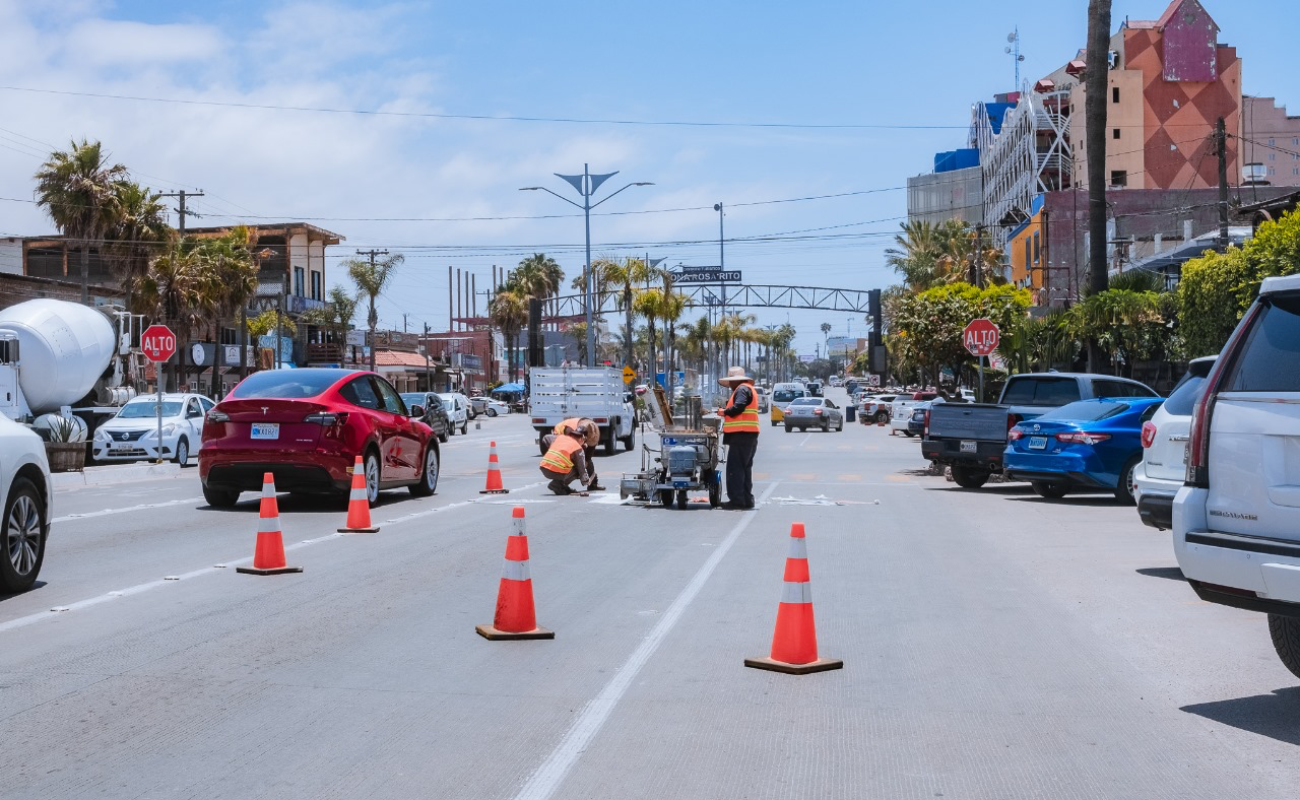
(1198, 445)
(817, 411)
(325, 419)
(1148, 434)
(926, 427)
(539, 421)
(1082, 438)
(218, 416)
(1015, 434)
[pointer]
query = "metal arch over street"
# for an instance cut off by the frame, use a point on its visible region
(851, 301)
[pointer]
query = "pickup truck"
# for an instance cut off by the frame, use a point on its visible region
(900, 411)
(971, 437)
(597, 393)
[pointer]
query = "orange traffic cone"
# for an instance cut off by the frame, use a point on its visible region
(516, 617)
(268, 558)
(494, 485)
(359, 503)
(794, 645)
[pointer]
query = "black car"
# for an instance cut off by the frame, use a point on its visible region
(814, 388)
(435, 416)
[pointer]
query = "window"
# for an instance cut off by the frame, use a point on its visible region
(1114, 94)
(1038, 253)
(1270, 357)
(1121, 389)
(1119, 177)
(1114, 134)
(1272, 142)
(392, 400)
(1086, 411)
(1272, 156)
(206, 404)
(1028, 252)
(315, 286)
(1184, 397)
(298, 276)
(1040, 391)
(361, 392)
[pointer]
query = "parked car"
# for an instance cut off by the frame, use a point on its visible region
(478, 405)
(1236, 525)
(457, 408)
(1091, 444)
(876, 408)
(813, 412)
(435, 416)
(916, 424)
(496, 408)
(814, 388)
(972, 437)
(764, 400)
(28, 504)
(306, 427)
(1164, 441)
(132, 433)
(900, 410)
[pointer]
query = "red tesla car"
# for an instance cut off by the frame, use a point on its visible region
(306, 427)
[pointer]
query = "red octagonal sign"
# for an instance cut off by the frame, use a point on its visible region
(158, 343)
(981, 337)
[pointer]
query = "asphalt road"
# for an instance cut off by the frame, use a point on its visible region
(995, 646)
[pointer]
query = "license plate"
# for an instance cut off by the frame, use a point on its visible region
(968, 447)
(1037, 442)
(121, 445)
(266, 430)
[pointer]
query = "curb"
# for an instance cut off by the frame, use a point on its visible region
(113, 473)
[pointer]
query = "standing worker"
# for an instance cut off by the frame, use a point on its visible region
(740, 428)
(589, 441)
(565, 461)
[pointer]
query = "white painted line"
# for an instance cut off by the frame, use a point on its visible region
(806, 437)
(110, 511)
(548, 777)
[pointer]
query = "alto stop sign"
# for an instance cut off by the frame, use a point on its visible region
(158, 343)
(981, 337)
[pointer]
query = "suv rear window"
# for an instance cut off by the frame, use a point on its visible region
(288, 384)
(1184, 396)
(1041, 392)
(1270, 358)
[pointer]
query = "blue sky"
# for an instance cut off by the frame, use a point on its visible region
(367, 177)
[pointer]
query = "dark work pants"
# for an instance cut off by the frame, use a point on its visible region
(740, 467)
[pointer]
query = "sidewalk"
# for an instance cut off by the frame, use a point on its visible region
(114, 473)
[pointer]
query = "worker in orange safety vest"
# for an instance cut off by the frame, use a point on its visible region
(740, 428)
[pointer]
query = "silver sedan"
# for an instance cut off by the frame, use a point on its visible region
(813, 412)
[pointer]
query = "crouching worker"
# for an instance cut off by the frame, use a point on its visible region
(590, 439)
(565, 462)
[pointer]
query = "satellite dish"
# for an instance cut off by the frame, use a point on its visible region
(1011, 37)
(1006, 49)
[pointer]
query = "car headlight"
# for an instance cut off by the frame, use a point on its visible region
(102, 435)
(169, 429)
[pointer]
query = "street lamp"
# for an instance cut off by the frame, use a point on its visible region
(586, 184)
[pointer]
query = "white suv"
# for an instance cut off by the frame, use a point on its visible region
(1164, 448)
(1236, 521)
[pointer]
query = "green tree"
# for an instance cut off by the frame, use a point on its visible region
(371, 278)
(538, 276)
(1124, 324)
(335, 316)
(233, 276)
(138, 234)
(181, 291)
(927, 327)
(508, 310)
(77, 188)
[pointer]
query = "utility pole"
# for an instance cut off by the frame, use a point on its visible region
(1221, 147)
(428, 375)
(181, 195)
(371, 318)
(1096, 83)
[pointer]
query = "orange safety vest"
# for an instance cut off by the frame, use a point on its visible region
(560, 457)
(571, 423)
(747, 420)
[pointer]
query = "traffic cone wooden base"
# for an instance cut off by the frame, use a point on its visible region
(794, 643)
(268, 557)
(359, 503)
(516, 617)
(494, 485)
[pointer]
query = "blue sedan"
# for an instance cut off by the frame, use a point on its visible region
(1091, 444)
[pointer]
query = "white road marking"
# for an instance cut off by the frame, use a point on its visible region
(806, 437)
(548, 777)
(110, 511)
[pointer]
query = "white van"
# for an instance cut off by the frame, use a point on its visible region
(457, 406)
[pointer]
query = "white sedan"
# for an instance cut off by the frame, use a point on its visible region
(133, 434)
(496, 408)
(28, 505)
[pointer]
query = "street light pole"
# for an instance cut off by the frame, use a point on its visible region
(586, 185)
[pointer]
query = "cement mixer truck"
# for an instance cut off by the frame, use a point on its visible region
(69, 361)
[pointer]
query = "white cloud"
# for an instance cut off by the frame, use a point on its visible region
(110, 43)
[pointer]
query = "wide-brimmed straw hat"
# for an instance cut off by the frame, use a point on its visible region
(734, 375)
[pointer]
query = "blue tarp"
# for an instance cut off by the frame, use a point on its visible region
(956, 159)
(510, 387)
(996, 112)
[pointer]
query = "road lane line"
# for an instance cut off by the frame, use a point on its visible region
(806, 437)
(548, 777)
(110, 511)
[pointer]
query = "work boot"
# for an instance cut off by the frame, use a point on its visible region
(595, 487)
(558, 487)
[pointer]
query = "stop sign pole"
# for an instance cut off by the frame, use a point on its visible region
(159, 344)
(981, 337)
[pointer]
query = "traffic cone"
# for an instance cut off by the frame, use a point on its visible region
(268, 558)
(794, 645)
(494, 485)
(359, 503)
(516, 617)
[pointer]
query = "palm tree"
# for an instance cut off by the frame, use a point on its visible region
(628, 274)
(538, 276)
(235, 274)
(182, 291)
(77, 189)
(139, 233)
(673, 305)
(508, 310)
(371, 277)
(335, 316)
